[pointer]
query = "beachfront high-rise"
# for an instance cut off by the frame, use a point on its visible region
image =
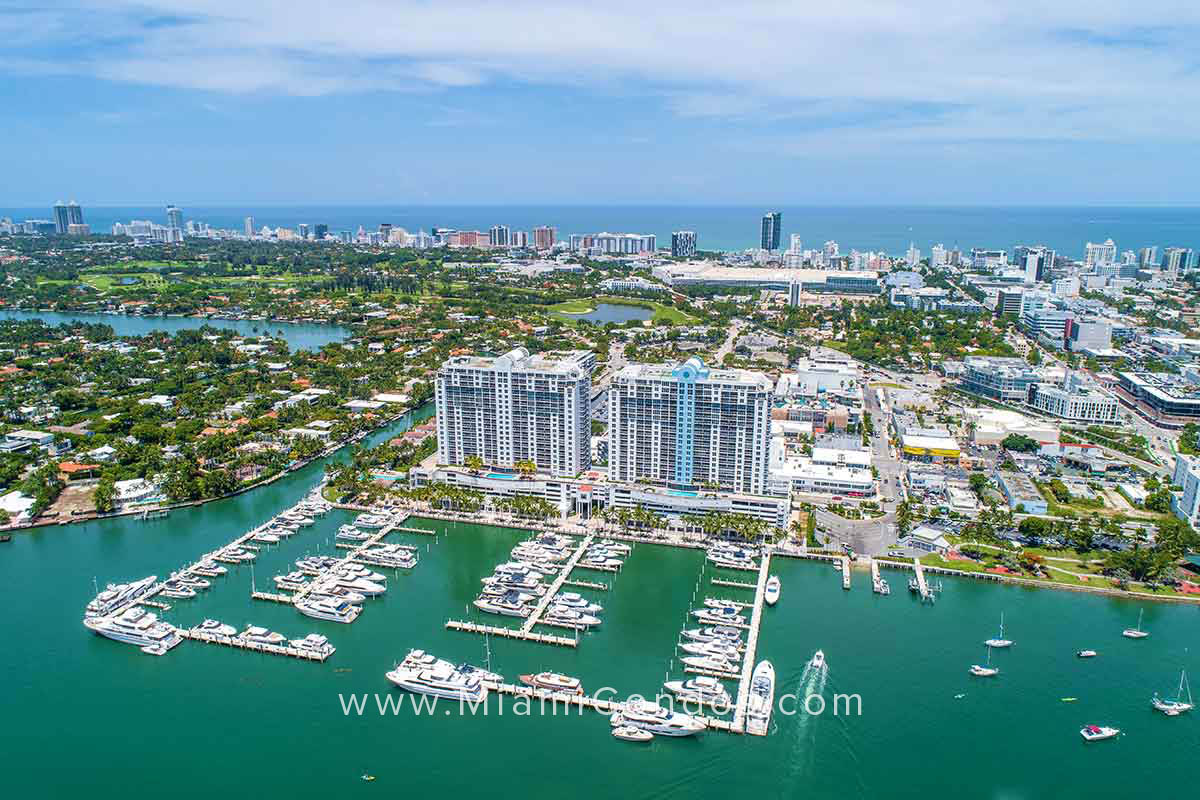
(687, 425)
(174, 217)
(514, 408)
(543, 237)
(770, 232)
(683, 244)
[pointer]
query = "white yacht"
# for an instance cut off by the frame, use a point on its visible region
(332, 590)
(1096, 733)
(117, 595)
(176, 590)
(440, 680)
(710, 663)
(601, 562)
(771, 592)
(553, 681)
(350, 533)
(1173, 708)
(370, 521)
(351, 570)
(360, 585)
(383, 558)
(629, 733)
(189, 579)
(562, 615)
(519, 569)
(729, 652)
(761, 700)
(217, 628)
(520, 584)
(578, 602)
(266, 537)
(253, 633)
(209, 568)
(715, 616)
(987, 671)
(314, 642)
(509, 605)
(134, 626)
(701, 690)
(656, 719)
(818, 660)
(715, 633)
(1136, 633)
(498, 590)
(293, 581)
(328, 608)
(619, 547)
(999, 641)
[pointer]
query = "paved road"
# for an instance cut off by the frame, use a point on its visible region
(726, 347)
(869, 537)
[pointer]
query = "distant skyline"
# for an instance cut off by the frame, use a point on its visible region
(212, 102)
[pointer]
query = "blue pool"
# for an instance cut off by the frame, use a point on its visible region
(502, 476)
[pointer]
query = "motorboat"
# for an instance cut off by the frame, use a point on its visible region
(293, 581)
(331, 609)
(732, 562)
(370, 521)
(317, 563)
(710, 664)
(999, 640)
(563, 615)
(193, 581)
(253, 633)
(578, 602)
(382, 558)
(1096, 733)
(478, 672)
(521, 568)
(601, 561)
(332, 590)
(1173, 708)
(629, 733)
(715, 633)
(177, 591)
(721, 604)
(440, 680)
(818, 660)
(355, 584)
(1136, 633)
(350, 570)
(1086, 653)
(315, 643)
(500, 590)
(615, 546)
(209, 569)
(771, 592)
(554, 682)
(116, 595)
(216, 628)
(350, 533)
(235, 553)
(760, 701)
(701, 690)
(266, 538)
(508, 606)
(658, 720)
(714, 616)
(136, 626)
(720, 649)
(520, 584)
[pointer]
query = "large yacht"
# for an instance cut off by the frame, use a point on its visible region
(360, 585)
(440, 680)
(350, 533)
(710, 664)
(370, 521)
(553, 681)
(719, 616)
(382, 558)
(323, 589)
(216, 628)
(578, 602)
(562, 615)
(701, 690)
(350, 570)
(721, 649)
(715, 633)
(119, 594)
(761, 700)
(315, 643)
(253, 633)
(520, 584)
(509, 605)
(328, 608)
(656, 719)
(134, 626)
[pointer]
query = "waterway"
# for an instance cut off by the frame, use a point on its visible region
(614, 312)
(85, 716)
(299, 335)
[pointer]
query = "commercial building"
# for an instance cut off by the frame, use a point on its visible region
(1008, 301)
(1161, 393)
(683, 244)
(929, 445)
(1176, 260)
(1021, 493)
(516, 408)
(770, 231)
(1091, 335)
(1045, 317)
(619, 243)
(1076, 399)
(827, 471)
(688, 425)
(794, 281)
(1004, 379)
(991, 426)
(633, 284)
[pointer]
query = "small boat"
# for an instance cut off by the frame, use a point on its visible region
(702, 690)
(216, 628)
(771, 593)
(253, 633)
(719, 616)
(629, 733)
(999, 641)
(1173, 708)
(155, 649)
(715, 633)
(1096, 733)
(985, 671)
(368, 778)
(710, 664)
(1086, 653)
(267, 538)
(1136, 633)
(553, 681)
(726, 651)
(578, 602)
(1069, 699)
(818, 660)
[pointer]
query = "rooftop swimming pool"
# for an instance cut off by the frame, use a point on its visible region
(502, 476)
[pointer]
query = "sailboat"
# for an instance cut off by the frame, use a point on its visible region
(1136, 633)
(999, 641)
(985, 672)
(1173, 708)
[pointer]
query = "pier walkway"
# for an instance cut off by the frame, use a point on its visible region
(257, 647)
(922, 584)
(743, 692)
(509, 633)
(846, 572)
(563, 574)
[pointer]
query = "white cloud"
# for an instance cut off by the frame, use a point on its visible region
(909, 69)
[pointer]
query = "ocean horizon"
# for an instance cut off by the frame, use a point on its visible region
(885, 228)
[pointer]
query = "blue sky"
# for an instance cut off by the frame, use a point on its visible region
(871, 102)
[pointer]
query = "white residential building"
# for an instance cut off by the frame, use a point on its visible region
(689, 425)
(1186, 504)
(1077, 400)
(515, 408)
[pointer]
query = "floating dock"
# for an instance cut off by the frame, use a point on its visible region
(510, 633)
(922, 584)
(273, 597)
(563, 574)
(257, 647)
(748, 664)
(846, 572)
(600, 587)
(733, 584)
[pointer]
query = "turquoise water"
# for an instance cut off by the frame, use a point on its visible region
(87, 716)
(299, 335)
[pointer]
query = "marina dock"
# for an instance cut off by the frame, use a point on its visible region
(273, 597)
(922, 584)
(563, 574)
(600, 587)
(846, 572)
(510, 633)
(748, 664)
(257, 647)
(734, 584)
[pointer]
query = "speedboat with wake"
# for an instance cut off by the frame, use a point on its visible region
(818, 660)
